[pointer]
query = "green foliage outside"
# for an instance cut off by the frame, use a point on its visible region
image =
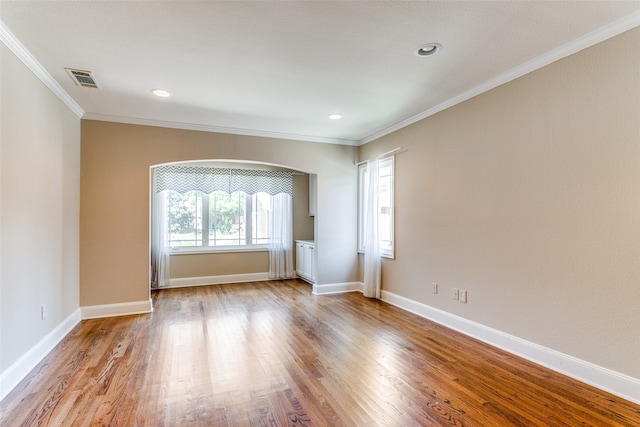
(182, 211)
(226, 213)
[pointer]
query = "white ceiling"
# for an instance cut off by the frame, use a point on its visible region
(278, 68)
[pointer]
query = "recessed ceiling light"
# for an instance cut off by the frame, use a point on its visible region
(161, 93)
(429, 49)
(334, 116)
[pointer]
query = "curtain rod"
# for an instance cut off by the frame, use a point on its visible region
(381, 155)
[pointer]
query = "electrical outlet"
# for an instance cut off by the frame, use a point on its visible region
(43, 312)
(456, 293)
(435, 287)
(463, 297)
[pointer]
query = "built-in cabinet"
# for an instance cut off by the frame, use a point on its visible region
(306, 260)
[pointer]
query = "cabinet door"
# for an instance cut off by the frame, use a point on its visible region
(312, 263)
(306, 263)
(299, 258)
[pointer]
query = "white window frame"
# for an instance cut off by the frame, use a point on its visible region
(247, 247)
(362, 177)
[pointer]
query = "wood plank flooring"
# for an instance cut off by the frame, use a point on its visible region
(272, 354)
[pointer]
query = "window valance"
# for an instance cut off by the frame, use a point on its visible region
(188, 178)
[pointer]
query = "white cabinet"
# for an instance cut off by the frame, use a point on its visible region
(306, 260)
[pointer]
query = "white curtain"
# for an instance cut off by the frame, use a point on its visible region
(372, 259)
(159, 249)
(281, 232)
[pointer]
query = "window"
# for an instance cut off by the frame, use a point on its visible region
(195, 219)
(198, 208)
(385, 205)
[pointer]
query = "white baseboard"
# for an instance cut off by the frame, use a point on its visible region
(120, 309)
(605, 379)
(217, 280)
(337, 288)
(21, 368)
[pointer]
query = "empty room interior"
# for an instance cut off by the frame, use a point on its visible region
(320, 213)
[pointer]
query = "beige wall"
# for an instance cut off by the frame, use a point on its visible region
(219, 264)
(39, 210)
(302, 222)
(528, 196)
(115, 164)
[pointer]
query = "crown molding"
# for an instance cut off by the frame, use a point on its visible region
(592, 38)
(10, 40)
(216, 129)
(583, 42)
(18, 49)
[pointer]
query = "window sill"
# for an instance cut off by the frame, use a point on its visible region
(218, 250)
(383, 255)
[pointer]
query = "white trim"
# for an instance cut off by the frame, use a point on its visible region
(587, 40)
(119, 309)
(592, 38)
(14, 45)
(216, 129)
(15, 373)
(199, 250)
(605, 379)
(217, 280)
(337, 288)
(10, 40)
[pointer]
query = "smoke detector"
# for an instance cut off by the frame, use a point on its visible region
(83, 78)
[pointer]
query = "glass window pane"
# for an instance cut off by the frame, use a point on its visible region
(184, 218)
(261, 216)
(363, 176)
(386, 205)
(385, 212)
(226, 218)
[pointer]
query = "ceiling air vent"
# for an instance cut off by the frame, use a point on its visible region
(83, 78)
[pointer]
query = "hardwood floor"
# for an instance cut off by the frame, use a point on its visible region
(272, 354)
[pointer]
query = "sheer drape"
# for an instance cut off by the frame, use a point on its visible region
(279, 184)
(159, 249)
(281, 231)
(372, 260)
